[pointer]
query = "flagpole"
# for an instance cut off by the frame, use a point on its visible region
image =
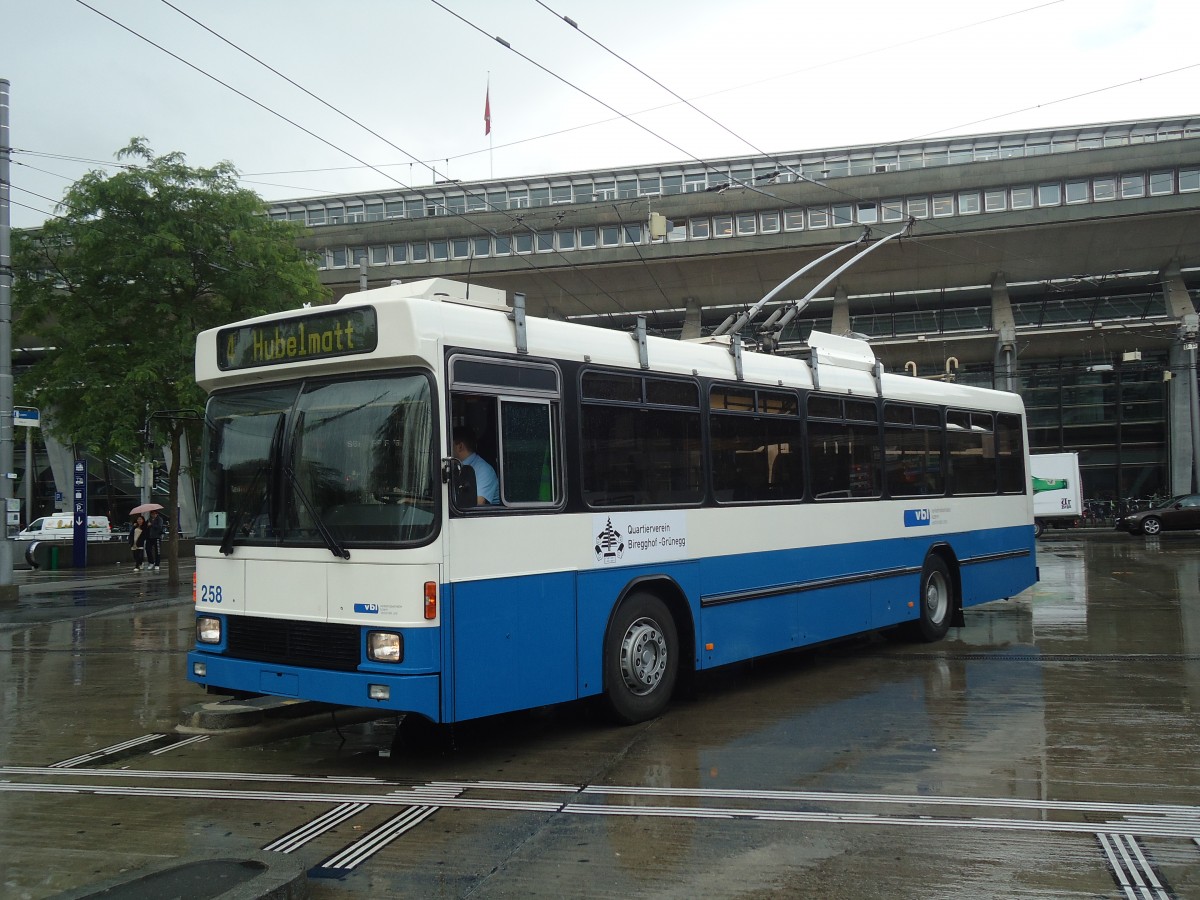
(487, 124)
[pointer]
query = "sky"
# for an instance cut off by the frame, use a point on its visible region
(400, 85)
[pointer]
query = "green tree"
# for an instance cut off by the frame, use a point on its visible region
(120, 283)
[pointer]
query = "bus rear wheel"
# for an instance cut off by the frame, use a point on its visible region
(937, 601)
(641, 659)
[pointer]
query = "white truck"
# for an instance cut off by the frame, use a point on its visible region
(1056, 491)
(62, 528)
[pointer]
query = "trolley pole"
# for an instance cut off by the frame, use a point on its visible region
(8, 590)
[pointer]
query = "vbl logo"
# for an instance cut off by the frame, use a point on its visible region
(914, 518)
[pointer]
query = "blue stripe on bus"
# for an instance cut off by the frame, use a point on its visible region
(527, 641)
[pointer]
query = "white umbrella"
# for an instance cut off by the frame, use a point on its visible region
(145, 508)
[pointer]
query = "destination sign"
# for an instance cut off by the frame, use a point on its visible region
(320, 335)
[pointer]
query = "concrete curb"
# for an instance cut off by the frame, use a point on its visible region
(276, 717)
(220, 715)
(258, 876)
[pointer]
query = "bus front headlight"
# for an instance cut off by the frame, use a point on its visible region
(385, 646)
(208, 630)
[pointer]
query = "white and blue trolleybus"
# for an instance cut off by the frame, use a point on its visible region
(660, 506)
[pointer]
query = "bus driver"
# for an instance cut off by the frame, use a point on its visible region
(487, 485)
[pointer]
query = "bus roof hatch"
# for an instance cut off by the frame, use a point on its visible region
(447, 291)
(849, 353)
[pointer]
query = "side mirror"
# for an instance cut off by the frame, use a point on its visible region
(462, 480)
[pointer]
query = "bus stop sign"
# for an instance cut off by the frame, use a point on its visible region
(23, 415)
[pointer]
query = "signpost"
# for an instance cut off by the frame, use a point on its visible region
(30, 418)
(79, 516)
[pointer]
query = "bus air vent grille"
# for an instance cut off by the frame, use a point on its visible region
(317, 645)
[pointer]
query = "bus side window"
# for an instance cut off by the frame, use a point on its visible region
(527, 468)
(517, 438)
(477, 415)
(512, 405)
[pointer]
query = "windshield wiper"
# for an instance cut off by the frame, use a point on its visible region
(230, 533)
(322, 529)
(289, 472)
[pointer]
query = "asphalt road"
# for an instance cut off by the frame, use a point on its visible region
(1048, 749)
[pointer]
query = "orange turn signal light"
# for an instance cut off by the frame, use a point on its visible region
(431, 600)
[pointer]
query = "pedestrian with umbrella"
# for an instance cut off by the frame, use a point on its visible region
(155, 529)
(137, 542)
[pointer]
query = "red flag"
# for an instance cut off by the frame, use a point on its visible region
(487, 111)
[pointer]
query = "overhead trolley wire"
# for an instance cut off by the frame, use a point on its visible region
(781, 165)
(931, 225)
(508, 46)
(36, 194)
(334, 146)
(620, 117)
(33, 208)
(838, 61)
(517, 220)
(1111, 87)
(730, 131)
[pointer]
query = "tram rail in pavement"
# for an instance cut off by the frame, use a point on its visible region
(52, 595)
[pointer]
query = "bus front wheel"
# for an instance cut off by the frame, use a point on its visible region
(641, 659)
(936, 600)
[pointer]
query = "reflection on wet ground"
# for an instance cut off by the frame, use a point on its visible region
(1048, 749)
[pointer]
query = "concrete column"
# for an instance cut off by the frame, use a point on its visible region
(1006, 334)
(187, 492)
(62, 467)
(841, 311)
(1182, 448)
(1179, 422)
(691, 320)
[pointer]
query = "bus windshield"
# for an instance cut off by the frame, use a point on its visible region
(342, 463)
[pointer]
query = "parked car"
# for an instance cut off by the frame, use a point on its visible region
(62, 528)
(1177, 514)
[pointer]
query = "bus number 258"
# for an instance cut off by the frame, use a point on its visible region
(210, 593)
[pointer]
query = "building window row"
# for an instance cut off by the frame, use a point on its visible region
(593, 188)
(1099, 189)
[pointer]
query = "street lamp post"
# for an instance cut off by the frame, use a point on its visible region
(8, 589)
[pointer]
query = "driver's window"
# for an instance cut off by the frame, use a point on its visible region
(504, 423)
(475, 444)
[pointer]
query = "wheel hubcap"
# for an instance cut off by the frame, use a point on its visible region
(643, 656)
(937, 598)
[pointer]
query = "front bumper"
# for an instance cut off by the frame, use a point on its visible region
(408, 693)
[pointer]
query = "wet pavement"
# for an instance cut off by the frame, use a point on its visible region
(1048, 749)
(53, 596)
